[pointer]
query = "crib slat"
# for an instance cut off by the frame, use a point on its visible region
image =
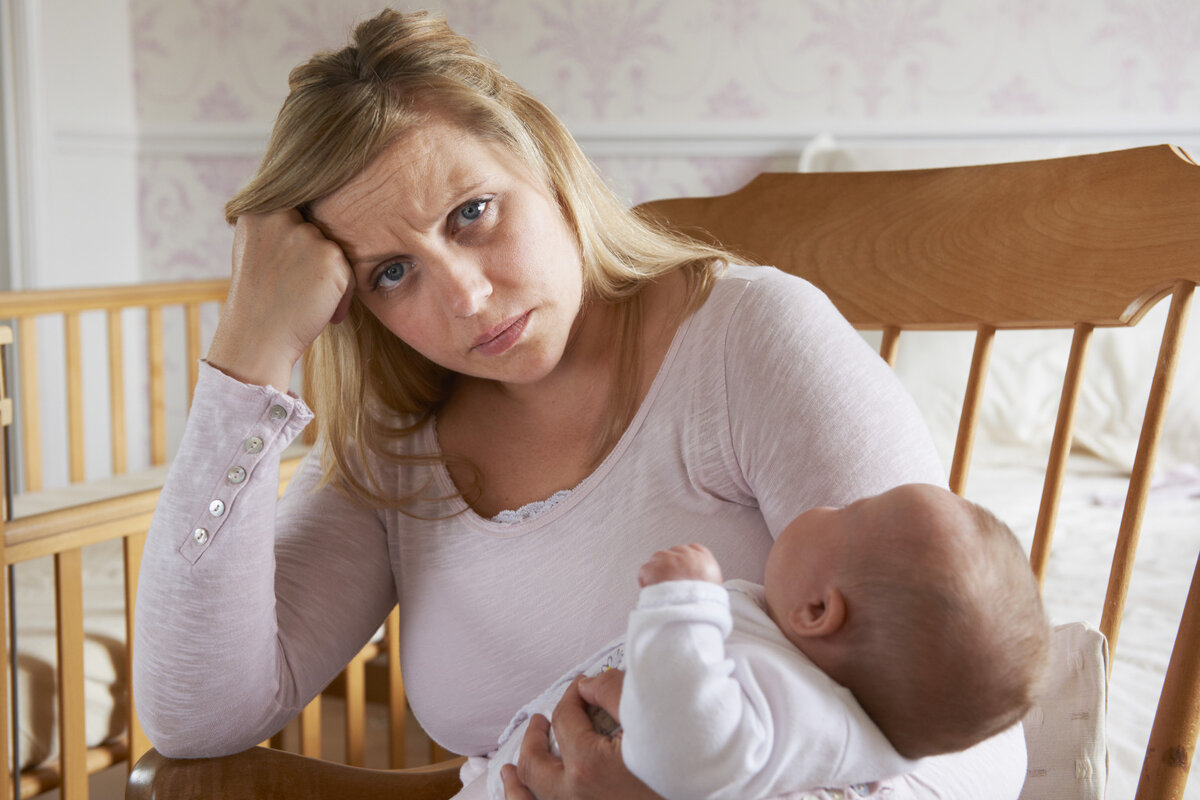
(158, 392)
(1172, 743)
(68, 583)
(889, 344)
(1143, 465)
(75, 435)
(192, 314)
(1060, 446)
(437, 753)
(27, 386)
(116, 392)
(310, 729)
(356, 717)
(972, 403)
(131, 550)
(397, 701)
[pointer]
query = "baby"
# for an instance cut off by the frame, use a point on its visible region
(904, 625)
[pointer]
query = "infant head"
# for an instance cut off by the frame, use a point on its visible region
(923, 605)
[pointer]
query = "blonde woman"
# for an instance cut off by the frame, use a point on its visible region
(523, 390)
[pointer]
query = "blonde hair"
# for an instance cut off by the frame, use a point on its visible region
(344, 108)
(947, 640)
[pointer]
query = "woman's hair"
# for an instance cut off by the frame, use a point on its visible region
(947, 641)
(343, 109)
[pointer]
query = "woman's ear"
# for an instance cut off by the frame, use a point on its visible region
(821, 615)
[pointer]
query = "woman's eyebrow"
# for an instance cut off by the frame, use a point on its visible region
(357, 262)
(450, 198)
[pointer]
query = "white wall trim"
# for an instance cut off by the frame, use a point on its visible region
(98, 142)
(26, 162)
(742, 139)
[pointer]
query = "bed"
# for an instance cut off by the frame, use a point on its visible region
(895, 251)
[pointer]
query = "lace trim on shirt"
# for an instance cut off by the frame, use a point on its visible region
(531, 510)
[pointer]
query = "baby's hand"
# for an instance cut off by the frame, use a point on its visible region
(683, 562)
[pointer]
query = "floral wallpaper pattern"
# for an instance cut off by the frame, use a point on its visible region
(206, 67)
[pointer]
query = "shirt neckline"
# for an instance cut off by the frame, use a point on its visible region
(463, 510)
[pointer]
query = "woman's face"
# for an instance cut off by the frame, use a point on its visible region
(462, 252)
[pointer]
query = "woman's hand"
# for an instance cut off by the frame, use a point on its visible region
(590, 767)
(289, 282)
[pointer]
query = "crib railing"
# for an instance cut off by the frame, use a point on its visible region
(35, 312)
(97, 500)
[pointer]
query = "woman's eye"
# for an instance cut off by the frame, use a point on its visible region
(471, 211)
(391, 275)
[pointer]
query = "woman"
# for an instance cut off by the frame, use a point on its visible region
(527, 391)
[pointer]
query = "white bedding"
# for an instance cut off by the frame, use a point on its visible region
(1077, 577)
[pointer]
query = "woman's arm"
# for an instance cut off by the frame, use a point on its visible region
(242, 619)
(816, 416)
(244, 613)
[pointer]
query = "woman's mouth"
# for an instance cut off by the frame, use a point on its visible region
(501, 337)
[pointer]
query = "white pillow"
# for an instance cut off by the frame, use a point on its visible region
(1065, 731)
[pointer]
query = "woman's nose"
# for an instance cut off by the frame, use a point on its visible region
(467, 289)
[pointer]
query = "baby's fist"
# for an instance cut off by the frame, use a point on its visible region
(683, 562)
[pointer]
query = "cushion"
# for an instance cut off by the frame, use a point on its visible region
(1065, 731)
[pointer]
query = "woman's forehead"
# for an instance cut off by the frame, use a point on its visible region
(423, 170)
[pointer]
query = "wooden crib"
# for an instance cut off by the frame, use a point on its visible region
(1078, 244)
(126, 359)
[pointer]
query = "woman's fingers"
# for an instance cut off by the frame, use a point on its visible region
(289, 282)
(537, 766)
(604, 690)
(344, 306)
(577, 737)
(513, 788)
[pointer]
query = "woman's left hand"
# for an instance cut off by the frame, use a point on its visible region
(590, 767)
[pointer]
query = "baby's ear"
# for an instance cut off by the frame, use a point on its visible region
(821, 615)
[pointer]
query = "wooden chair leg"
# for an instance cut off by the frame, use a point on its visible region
(260, 773)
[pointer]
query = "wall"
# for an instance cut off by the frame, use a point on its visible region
(676, 96)
(70, 147)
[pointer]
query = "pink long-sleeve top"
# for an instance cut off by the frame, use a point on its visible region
(766, 404)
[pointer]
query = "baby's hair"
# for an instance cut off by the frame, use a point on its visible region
(948, 641)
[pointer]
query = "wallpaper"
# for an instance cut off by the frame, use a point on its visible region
(668, 96)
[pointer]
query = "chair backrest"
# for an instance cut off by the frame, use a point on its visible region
(1076, 243)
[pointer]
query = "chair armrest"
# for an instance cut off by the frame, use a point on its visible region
(260, 773)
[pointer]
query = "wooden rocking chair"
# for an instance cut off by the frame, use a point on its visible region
(1075, 243)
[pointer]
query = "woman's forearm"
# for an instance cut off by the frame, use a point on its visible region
(221, 661)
